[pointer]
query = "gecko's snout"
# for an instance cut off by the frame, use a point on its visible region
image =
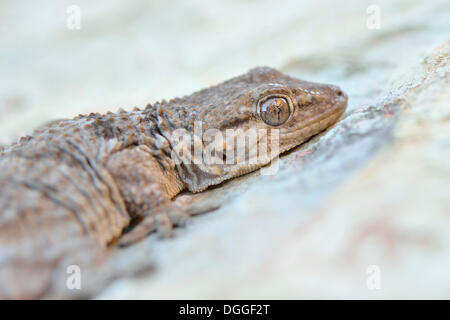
(339, 93)
(340, 98)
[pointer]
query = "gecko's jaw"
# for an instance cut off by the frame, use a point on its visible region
(324, 115)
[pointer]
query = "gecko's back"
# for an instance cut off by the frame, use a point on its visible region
(54, 199)
(59, 203)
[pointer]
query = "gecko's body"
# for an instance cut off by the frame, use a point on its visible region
(71, 188)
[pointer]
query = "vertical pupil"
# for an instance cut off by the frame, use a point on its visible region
(274, 111)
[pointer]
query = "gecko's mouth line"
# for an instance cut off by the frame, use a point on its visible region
(338, 107)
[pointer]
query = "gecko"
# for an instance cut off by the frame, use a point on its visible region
(76, 187)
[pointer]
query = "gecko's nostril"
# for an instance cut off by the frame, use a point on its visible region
(340, 94)
(336, 91)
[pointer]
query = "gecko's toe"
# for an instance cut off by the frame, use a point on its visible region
(163, 223)
(166, 221)
(164, 226)
(139, 232)
(179, 217)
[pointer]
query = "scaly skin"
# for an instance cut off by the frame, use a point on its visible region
(70, 189)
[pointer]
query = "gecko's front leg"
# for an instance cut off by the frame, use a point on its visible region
(147, 184)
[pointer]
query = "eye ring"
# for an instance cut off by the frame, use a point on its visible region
(275, 110)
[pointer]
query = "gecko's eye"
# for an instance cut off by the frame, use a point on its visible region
(274, 111)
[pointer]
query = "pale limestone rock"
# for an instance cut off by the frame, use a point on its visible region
(373, 190)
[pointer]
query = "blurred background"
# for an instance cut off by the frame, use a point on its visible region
(369, 196)
(127, 54)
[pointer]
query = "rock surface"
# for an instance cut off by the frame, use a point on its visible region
(367, 200)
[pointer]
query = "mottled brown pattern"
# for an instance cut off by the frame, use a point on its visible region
(70, 190)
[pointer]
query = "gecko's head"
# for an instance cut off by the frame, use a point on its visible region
(297, 109)
(249, 120)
